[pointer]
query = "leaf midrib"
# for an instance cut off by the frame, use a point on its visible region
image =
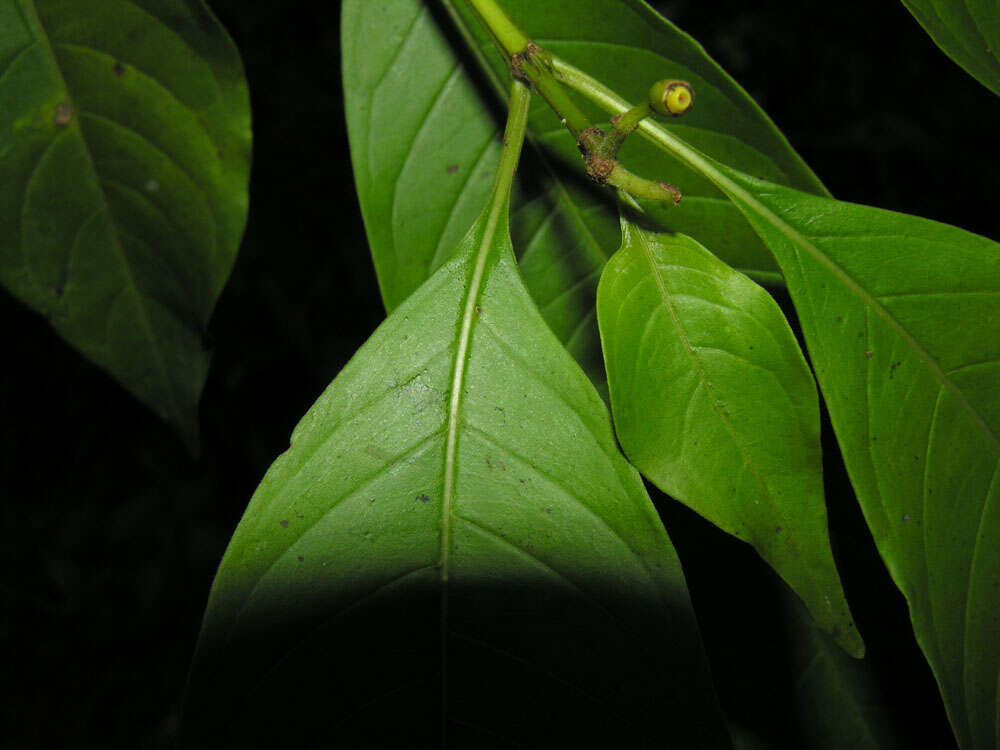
(497, 208)
(696, 361)
(870, 301)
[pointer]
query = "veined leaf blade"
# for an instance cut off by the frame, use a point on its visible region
(453, 543)
(125, 132)
(714, 402)
(902, 319)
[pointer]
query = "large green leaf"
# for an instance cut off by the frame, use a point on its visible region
(124, 159)
(421, 114)
(453, 543)
(902, 319)
(969, 33)
(714, 402)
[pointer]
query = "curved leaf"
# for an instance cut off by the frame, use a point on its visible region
(453, 544)
(902, 319)
(714, 402)
(124, 160)
(968, 31)
(422, 125)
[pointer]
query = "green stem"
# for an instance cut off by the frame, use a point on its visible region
(531, 63)
(513, 140)
(613, 104)
(621, 127)
(501, 26)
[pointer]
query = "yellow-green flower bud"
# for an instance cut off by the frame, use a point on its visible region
(671, 98)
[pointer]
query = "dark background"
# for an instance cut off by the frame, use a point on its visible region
(113, 532)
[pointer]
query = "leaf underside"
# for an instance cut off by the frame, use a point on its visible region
(124, 160)
(424, 119)
(902, 319)
(453, 545)
(714, 402)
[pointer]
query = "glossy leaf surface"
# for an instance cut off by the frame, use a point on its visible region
(902, 319)
(968, 31)
(422, 118)
(453, 543)
(124, 160)
(713, 402)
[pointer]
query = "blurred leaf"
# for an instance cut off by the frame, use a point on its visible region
(968, 31)
(124, 160)
(421, 112)
(713, 402)
(453, 543)
(902, 319)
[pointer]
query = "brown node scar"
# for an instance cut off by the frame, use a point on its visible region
(519, 58)
(599, 167)
(673, 190)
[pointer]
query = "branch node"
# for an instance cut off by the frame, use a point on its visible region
(599, 167)
(589, 140)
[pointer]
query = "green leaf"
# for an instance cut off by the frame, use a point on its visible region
(902, 319)
(421, 113)
(124, 160)
(817, 697)
(968, 31)
(453, 543)
(832, 696)
(714, 402)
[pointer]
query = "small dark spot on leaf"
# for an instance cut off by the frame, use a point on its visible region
(861, 334)
(777, 529)
(549, 511)
(451, 168)
(751, 346)
(869, 353)
(423, 498)
(892, 369)
(874, 439)
(64, 114)
(301, 558)
(840, 318)
(118, 69)
(521, 481)
(284, 524)
(299, 515)
(60, 285)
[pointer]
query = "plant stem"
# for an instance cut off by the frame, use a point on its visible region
(513, 139)
(530, 62)
(613, 104)
(501, 26)
(621, 127)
